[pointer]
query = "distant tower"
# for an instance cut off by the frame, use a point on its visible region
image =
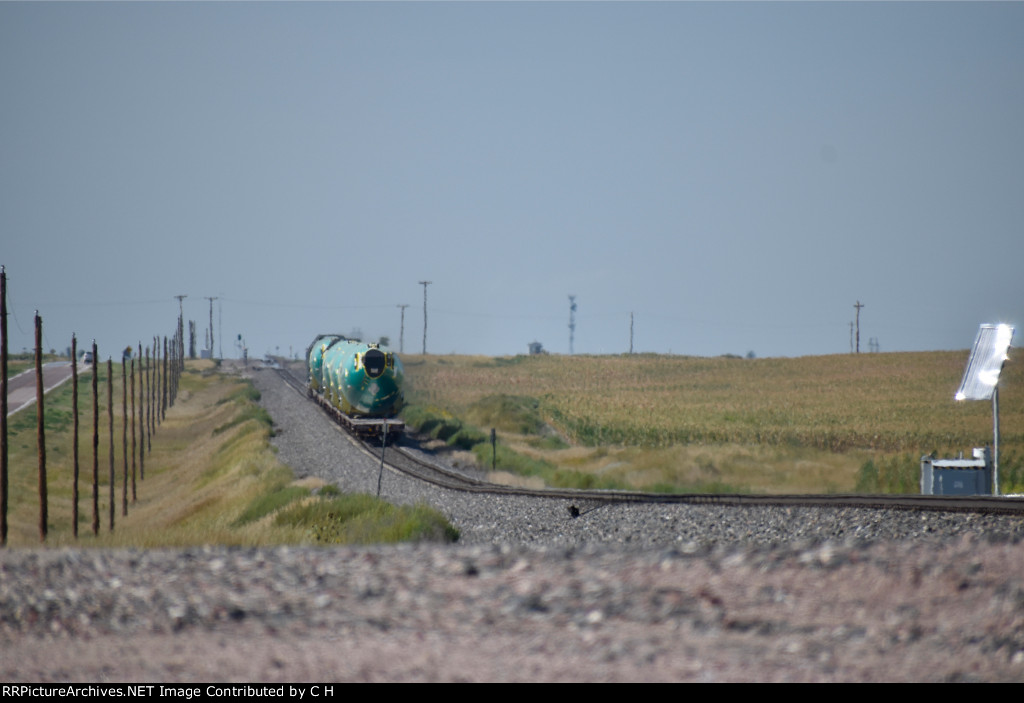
(572, 321)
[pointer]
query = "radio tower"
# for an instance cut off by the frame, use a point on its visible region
(572, 321)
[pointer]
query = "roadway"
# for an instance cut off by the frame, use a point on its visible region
(21, 389)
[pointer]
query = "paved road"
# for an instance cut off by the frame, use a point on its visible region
(21, 389)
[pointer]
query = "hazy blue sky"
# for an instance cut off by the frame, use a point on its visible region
(736, 175)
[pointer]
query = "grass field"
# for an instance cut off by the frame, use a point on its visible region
(838, 423)
(211, 478)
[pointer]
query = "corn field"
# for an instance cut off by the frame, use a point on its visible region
(892, 403)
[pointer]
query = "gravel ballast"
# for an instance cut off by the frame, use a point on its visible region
(628, 592)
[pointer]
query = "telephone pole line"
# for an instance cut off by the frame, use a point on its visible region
(425, 284)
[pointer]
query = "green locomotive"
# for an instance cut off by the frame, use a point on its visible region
(359, 383)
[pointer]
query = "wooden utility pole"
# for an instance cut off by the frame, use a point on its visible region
(124, 434)
(211, 324)
(630, 333)
(39, 429)
(401, 330)
(180, 348)
(858, 306)
(3, 406)
(110, 424)
(425, 284)
(133, 428)
(74, 435)
(572, 322)
(142, 417)
(163, 385)
(95, 442)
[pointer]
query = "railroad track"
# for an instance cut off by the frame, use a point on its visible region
(400, 460)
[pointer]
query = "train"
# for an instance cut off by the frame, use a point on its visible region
(358, 383)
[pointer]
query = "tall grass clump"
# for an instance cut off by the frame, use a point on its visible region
(893, 474)
(364, 519)
(438, 424)
(507, 459)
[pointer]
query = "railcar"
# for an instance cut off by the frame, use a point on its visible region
(359, 383)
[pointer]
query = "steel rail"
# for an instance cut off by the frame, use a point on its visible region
(447, 478)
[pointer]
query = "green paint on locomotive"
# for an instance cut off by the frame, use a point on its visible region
(359, 379)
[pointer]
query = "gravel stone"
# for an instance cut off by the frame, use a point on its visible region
(530, 593)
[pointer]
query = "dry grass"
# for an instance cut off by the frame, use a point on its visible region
(765, 425)
(193, 477)
(211, 462)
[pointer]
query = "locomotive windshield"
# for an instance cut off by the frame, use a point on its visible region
(375, 362)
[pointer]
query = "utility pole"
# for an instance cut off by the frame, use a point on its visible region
(858, 306)
(181, 330)
(3, 406)
(572, 321)
(210, 345)
(425, 284)
(630, 333)
(40, 431)
(401, 333)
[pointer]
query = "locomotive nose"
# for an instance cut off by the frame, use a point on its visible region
(374, 361)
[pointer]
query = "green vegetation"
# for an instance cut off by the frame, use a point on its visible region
(211, 477)
(717, 424)
(364, 519)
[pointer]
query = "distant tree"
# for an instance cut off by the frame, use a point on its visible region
(385, 341)
(751, 354)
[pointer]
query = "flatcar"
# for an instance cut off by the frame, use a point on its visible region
(359, 383)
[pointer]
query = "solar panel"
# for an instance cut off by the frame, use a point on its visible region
(985, 362)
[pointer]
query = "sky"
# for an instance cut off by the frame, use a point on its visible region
(732, 177)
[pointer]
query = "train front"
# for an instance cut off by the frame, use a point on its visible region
(370, 380)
